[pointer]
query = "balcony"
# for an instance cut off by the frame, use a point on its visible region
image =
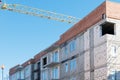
(51, 64)
(37, 70)
(105, 38)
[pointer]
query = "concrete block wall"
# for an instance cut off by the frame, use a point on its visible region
(87, 75)
(100, 55)
(79, 51)
(87, 61)
(74, 73)
(100, 74)
(98, 38)
(86, 40)
(84, 54)
(113, 57)
(70, 54)
(63, 73)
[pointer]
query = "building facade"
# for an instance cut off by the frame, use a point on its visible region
(87, 51)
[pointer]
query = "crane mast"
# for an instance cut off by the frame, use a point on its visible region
(39, 12)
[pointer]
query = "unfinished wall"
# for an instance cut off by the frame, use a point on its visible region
(76, 73)
(69, 54)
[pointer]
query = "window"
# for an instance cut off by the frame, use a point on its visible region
(55, 73)
(55, 57)
(72, 64)
(27, 71)
(66, 50)
(22, 74)
(113, 75)
(44, 75)
(107, 28)
(18, 75)
(113, 51)
(66, 67)
(44, 61)
(72, 46)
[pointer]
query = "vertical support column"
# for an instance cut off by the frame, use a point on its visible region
(82, 49)
(91, 45)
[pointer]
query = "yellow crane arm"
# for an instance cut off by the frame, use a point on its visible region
(39, 12)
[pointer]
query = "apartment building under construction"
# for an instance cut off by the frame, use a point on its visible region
(87, 51)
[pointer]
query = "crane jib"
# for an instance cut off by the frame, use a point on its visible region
(39, 12)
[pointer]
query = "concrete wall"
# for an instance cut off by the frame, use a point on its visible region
(65, 56)
(91, 49)
(75, 73)
(113, 57)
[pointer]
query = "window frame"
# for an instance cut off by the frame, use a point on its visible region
(73, 64)
(55, 72)
(72, 45)
(66, 67)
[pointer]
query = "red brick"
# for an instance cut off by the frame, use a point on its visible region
(84, 24)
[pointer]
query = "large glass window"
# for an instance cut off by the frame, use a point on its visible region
(72, 45)
(73, 64)
(55, 57)
(55, 73)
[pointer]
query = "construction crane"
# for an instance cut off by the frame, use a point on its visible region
(39, 12)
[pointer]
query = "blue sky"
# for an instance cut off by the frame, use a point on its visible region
(23, 36)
